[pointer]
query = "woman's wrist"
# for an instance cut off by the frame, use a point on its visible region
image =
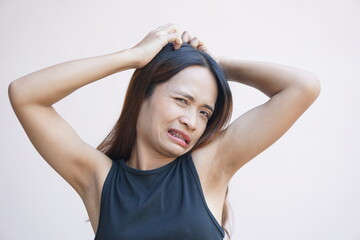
(126, 59)
(224, 65)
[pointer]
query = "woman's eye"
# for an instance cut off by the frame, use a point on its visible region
(181, 100)
(206, 114)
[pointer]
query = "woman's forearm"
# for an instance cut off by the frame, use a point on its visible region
(47, 86)
(269, 78)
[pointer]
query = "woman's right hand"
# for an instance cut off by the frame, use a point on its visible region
(147, 48)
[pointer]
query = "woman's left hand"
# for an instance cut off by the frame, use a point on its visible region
(197, 44)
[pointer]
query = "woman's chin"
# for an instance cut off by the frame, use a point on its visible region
(176, 150)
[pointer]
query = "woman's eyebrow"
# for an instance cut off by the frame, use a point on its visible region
(191, 98)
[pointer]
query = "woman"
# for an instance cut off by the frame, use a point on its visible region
(163, 171)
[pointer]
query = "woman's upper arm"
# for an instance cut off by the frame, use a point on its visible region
(76, 161)
(257, 129)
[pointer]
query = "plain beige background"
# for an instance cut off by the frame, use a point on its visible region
(306, 186)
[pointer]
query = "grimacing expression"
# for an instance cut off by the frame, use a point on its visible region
(174, 117)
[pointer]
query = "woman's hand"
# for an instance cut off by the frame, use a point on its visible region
(197, 44)
(147, 48)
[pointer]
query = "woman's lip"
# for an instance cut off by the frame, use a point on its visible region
(180, 141)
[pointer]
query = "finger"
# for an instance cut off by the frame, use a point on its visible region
(202, 47)
(175, 39)
(178, 41)
(194, 42)
(185, 37)
(164, 27)
(171, 28)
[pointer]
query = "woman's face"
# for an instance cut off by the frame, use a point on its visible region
(173, 119)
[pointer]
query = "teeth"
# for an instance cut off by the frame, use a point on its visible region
(177, 135)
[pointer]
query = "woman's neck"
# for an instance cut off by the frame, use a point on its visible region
(144, 158)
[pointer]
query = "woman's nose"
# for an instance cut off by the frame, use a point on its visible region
(189, 120)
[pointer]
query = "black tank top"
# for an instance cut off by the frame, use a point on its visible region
(166, 203)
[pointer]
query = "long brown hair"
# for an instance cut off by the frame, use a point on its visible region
(168, 62)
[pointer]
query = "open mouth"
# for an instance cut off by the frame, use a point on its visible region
(178, 135)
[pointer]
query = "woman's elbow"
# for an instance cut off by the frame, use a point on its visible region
(14, 93)
(310, 85)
